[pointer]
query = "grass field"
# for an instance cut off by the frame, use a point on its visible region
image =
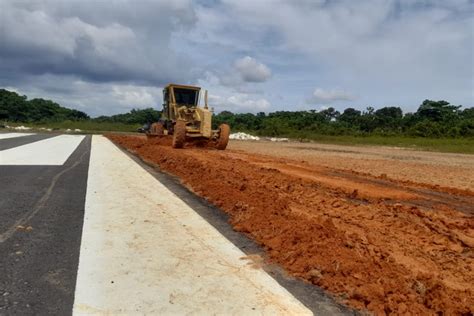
(85, 126)
(454, 145)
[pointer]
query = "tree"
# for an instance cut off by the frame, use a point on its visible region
(388, 118)
(330, 114)
(432, 119)
(438, 111)
(16, 108)
(350, 116)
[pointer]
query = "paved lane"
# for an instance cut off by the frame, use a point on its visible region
(13, 135)
(50, 151)
(41, 212)
(11, 142)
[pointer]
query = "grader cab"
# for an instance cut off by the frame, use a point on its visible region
(183, 118)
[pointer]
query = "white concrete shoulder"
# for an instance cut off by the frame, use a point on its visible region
(144, 251)
(13, 135)
(50, 151)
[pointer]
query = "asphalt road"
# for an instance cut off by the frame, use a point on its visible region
(19, 141)
(41, 211)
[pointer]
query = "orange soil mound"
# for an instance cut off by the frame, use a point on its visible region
(409, 252)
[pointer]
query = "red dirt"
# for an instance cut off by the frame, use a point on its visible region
(385, 246)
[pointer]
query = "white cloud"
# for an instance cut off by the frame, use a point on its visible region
(244, 71)
(251, 70)
(94, 98)
(134, 96)
(12, 89)
(239, 103)
(320, 96)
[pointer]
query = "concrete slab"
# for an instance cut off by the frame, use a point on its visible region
(145, 251)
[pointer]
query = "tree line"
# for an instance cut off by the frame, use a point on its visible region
(432, 119)
(17, 108)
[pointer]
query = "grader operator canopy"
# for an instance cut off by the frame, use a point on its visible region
(176, 96)
(186, 97)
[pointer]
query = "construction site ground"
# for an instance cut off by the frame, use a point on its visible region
(88, 229)
(387, 230)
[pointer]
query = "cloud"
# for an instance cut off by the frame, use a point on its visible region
(251, 70)
(129, 95)
(95, 41)
(422, 47)
(244, 52)
(321, 96)
(239, 103)
(243, 71)
(94, 98)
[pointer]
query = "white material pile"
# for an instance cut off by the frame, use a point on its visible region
(243, 136)
(21, 128)
(277, 139)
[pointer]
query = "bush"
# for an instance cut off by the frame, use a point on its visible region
(426, 129)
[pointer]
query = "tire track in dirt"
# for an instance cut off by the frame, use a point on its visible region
(378, 245)
(374, 188)
(429, 169)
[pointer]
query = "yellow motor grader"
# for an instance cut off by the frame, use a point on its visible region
(183, 118)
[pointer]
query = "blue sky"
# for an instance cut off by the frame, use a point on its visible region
(106, 57)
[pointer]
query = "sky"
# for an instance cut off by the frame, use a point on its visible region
(105, 57)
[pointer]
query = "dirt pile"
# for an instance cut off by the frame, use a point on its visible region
(411, 251)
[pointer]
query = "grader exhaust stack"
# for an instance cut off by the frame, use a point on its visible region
(183, 118)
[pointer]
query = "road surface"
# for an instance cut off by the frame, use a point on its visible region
(87, 229)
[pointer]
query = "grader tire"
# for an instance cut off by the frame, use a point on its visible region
(179, 135)
(157, 129)
(223, 140)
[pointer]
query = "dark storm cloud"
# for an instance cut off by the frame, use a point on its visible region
(123, 41)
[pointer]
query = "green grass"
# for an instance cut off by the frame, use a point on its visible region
(452, 145)
(84, 126)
